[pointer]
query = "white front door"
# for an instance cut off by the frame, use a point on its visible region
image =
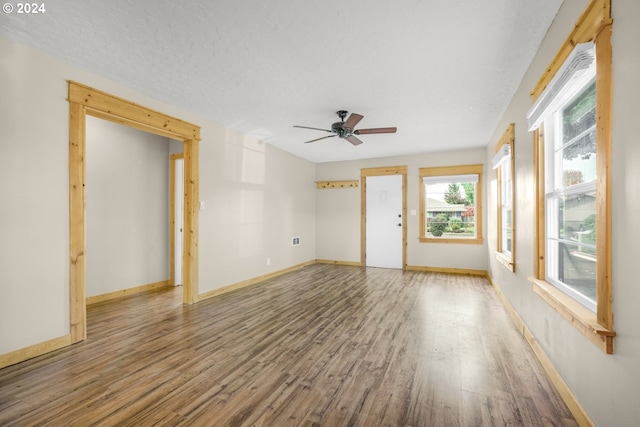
(179, 216)
(384, 220)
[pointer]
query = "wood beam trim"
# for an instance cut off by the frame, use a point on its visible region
(101, 103)
(77, 229)
(34, 351)
(595, 17)
(451, 170)
(192, 185)
(508, 137)
(388, 170)
(579, 316)
(604, 129)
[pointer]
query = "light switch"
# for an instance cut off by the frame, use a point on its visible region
(201, 205)
(412, 212)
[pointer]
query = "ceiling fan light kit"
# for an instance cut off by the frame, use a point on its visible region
(345, 129)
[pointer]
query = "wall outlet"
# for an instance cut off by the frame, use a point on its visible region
(295, 241)
(268, 261)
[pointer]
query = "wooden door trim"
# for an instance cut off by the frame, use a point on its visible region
(83, 101)
(380, 171)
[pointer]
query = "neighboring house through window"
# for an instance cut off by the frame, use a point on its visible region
(450, 204)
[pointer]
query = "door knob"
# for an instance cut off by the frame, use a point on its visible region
(399, 224)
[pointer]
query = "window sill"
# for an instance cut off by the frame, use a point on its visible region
(445, 240)
(579, 316)
(506, 261)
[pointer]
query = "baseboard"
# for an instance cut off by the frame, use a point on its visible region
(34, 350)
(127, 292)
(349, 263)
(250, 282)
(563, 389)
(464, 271)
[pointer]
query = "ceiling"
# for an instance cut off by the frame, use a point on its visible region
(443, 72)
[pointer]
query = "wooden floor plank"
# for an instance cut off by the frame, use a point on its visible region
(323, 346)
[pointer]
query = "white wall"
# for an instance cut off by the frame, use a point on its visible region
(127, 207)
(607, 386)
(338, 212)
(257, 197)
(34, 207)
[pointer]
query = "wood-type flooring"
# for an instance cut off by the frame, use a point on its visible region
(322, 346)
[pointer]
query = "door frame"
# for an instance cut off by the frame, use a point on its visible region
(84, 100)
(172, 214)
(390, 170)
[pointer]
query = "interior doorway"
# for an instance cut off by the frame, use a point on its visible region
(83, 101)
(127, 210)
(383, 225)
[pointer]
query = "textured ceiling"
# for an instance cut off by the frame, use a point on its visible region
(443, 72)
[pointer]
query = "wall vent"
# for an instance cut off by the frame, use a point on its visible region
(295, 241)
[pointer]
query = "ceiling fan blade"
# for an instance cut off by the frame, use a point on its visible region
(375, 130)
(307, 127)
(352, 139)
(352, 121)
(318, 139)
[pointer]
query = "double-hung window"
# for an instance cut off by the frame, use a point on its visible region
(503, 162)
(567, 113)
(571, 120)
(570, 195)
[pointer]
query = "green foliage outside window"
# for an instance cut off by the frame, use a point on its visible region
(439, 224)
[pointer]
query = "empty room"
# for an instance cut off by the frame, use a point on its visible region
(374, 213)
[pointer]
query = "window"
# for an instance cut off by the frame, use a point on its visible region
(503, 162)
(571, 120)
(570, 194)
(451, 204)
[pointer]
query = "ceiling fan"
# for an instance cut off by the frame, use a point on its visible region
(345, 129)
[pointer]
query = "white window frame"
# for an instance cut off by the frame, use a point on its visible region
(555, 191)
(504, 163)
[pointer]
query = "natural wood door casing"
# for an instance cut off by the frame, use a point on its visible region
(85, 100)
(380, 171)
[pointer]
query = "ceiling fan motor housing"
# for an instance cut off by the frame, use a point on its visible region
(339, 130)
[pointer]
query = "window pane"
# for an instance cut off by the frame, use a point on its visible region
(579, 115)
(505, 194)
(450, 210)
(571, 250)
(576, 270)
(577, 155)
(579, 161)
(505, 172)
(506, 230)
(577, 219)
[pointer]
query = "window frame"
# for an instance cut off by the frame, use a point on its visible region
(595, 25)
(475, 169)
(506, 258)
(558, 192)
